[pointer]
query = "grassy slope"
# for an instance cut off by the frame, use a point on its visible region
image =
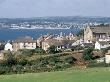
(87, 75)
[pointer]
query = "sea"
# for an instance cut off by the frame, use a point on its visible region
(11, 34)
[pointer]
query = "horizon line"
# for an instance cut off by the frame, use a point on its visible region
(54, 16)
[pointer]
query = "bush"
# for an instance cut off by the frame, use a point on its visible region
(70, 59)
(78, 47)
(14, 65)
(26, 52)
(10, 60)
(2, 46)
(52, 49)
(88, 54)
(22, 62)
(39, 51)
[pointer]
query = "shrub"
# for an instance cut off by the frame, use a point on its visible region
(78, 47)
(10, 60)
(52, 49)
(2, 46)
(70, 59)
(26, 52)
(22, 62)
(39, 51)
(88, 54)
(12, 65)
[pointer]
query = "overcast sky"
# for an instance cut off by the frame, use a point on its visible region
(40, 8)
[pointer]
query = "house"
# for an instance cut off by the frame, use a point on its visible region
(8, 46)
(102, 44)
(107, 57)
(96, 33)
(24, 43)
(43, 38)
(48, 43)
(78, 42)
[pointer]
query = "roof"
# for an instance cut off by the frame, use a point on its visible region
(24, 39)
(48, 36)
(54, 42)
(59, 42)
(100, 29)
(104, 42)
(88, 44)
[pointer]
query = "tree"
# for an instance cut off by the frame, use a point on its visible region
(70, 59)
(88, 54)
(52, 49)
(78, 47)
(39, 50)
(2, 47)
(10, 60)
(26, 52)
(80, 33)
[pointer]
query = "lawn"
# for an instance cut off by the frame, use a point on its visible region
(72, 75)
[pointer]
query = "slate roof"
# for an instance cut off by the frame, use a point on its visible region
(104, 42)
(54, 42)
(24, 40)
(59, 42)
(101, 29)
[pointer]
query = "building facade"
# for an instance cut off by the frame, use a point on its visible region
(24, 43)
(102, 44)
(96, 33)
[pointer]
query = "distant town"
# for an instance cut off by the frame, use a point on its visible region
(52, 22)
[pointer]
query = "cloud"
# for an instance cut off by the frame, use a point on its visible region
(34, 8)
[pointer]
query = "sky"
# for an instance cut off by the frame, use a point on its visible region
(42, 8)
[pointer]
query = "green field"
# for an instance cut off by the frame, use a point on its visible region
(76, 75)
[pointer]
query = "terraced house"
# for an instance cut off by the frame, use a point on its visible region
(99, 33)
(24, 43)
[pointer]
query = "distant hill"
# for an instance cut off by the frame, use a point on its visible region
(74, 19)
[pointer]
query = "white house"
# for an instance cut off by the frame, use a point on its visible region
(102, 44)
(24, 43)
(100, 60)
(107, 57)
(8, 46)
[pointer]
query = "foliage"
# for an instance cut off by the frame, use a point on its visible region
(10, 60)
(77, 48)
(80, 33)
(70, 59)
(39, 51)
(2, 46)
(26, 52)
(52, 49)
(20, 64)
(88, 54)
(105, 50)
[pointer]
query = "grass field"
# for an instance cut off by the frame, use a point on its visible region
(86, 75)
